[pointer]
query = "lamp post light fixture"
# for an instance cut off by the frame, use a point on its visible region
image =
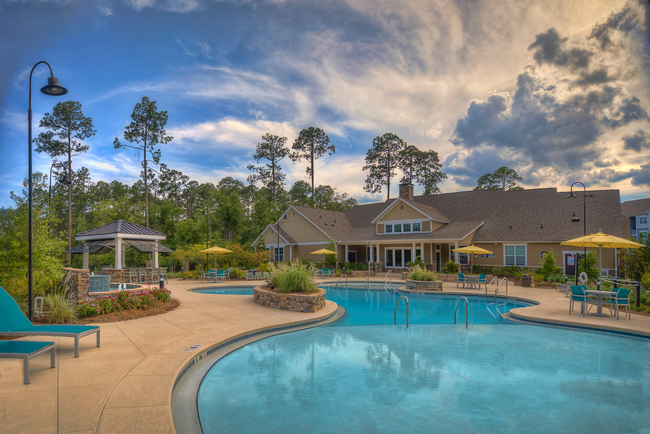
(277, 254)
(572, 195)
(53, 88)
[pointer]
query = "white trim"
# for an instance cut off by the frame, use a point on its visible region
(402, 222)
(315, 243)
(122, 235)
(394, 249)
(525, 254)
(398, 200)
(474, 230)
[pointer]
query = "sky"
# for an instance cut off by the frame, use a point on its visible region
(557, 90)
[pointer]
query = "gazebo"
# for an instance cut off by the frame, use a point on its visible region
(117, 236)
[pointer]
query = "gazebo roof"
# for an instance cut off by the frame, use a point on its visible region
(121, 229)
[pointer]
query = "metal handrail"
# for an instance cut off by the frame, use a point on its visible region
(346, 281)
(466, 311)
(387, 276)
(399, 300)
(496, 290)
(367, 282)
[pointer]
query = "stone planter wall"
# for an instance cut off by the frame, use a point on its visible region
(297, 302)
(77, 284)
(420, 285)
(96, 295)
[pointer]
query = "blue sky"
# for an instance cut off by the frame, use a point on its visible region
(557, 90)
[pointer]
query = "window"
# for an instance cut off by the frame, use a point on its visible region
(418, 254)
(417, 227)
(643, 220)
(389, 229)
(398, 228)
(279, 254)
(407, 227)
(515, 255)
(368, 254)
(389, 257)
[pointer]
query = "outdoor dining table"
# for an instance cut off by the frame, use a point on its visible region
(600, 295)
(471, 281)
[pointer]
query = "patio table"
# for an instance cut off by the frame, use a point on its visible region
(471, 281)
(599, 295)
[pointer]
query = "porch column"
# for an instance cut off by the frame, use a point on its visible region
(346, 254)
(412, 253)
(290, 253)
(155, 258)
(123, 255)
(422, 253)
(86, 258)
(456, 254)
(118, 253)
(433, 247)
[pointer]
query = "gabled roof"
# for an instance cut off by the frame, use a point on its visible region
(283, 234)
(120, 227)
(333, 224)
(450, 231)
(635, 207)
(428, 211)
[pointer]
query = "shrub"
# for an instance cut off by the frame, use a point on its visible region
(122, 301)
(548, 267)
(58, 309)
(421, 273)
(418, 262)
(451, 267)
(509, 271)
(592, 271)
(295, 277)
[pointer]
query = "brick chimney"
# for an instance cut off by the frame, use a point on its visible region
(406, 191)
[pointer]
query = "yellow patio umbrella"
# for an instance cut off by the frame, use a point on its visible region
(323, 252)
(472, 249)
(216, 250)
(601, 240)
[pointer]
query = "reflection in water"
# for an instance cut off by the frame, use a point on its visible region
(430, 378)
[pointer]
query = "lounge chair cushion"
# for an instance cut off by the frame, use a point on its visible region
(22, 347)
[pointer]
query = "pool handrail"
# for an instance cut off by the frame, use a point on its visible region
(466, 310)
(496, 290)
(399, 300)
(346, 281)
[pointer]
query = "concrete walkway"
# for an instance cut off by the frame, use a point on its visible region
(125, 386)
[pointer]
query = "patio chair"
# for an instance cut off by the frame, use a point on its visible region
(220, 275)
(133, 275)
(14, 323)
(461, 279)
(266, 275)
(578, 294)
(155, 276)
(250, 275)
(562, 287)
(202, 276)
(619, 298)
(26, 350)
(226, 275)
(163, 272)
(482, 278)
(211, 276)
(143, 275)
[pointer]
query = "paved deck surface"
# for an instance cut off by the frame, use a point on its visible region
(125, 386)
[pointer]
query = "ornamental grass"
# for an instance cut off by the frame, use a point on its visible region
(422, 274)
(294, 277)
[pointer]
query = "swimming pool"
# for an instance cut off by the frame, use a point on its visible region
(434, 376)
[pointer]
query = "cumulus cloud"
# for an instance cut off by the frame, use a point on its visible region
(637, 142)
(547, 126)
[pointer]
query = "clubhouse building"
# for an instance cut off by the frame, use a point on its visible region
(519, 227)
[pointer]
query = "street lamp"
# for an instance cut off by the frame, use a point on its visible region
(207, 237)
(53, 88)
(584, 220)
(278, 251)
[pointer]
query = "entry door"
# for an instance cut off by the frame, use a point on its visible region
(438, 261)
(571, 261)
(352, 256)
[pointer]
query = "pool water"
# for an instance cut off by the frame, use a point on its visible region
(364, 374)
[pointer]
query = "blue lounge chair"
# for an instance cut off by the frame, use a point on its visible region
(26, 351)
(461, 278)
(14, 323)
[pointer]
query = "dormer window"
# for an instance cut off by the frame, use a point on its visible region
(407, 227)
(417, 227)
(389, 229)
(398, 227)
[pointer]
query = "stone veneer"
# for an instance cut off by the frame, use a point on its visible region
(446, 277)
(358, 273)
(423, 285)
(77, 284)
(297, 301)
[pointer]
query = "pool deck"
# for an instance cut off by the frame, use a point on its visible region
(125, 386)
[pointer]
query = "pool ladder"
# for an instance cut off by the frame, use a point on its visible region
(346, 281)
(466, 311)
(407, 310)
(387, 280)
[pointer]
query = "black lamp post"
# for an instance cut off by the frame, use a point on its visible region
(53, 88)
(207, 237)
(278, 251)
(584, 219)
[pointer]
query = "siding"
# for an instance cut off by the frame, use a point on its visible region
(426, 226)
(444, 254)
(468, 239)
(380, 229)
(301, 230)
(271, 238)
(403, 212)
(302, 252)
(436, 225)
(498, 254)
(426, 255)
